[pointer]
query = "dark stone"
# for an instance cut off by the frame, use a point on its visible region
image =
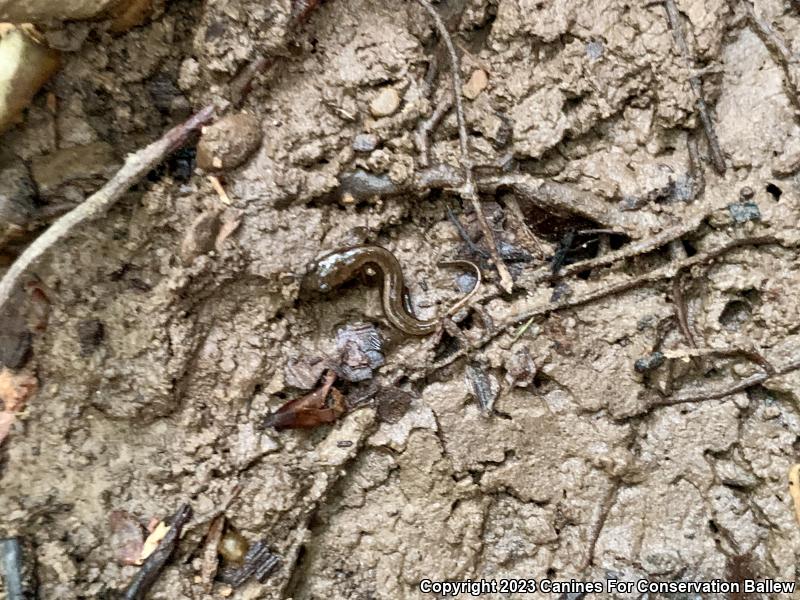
(648, 363)
(90, 334)
(744, 211)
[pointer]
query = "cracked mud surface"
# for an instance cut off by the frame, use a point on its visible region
(578, 474)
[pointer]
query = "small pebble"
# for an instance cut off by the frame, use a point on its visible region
(90, 335)
(746, 193)
(229, 142)
(478, 82)
(594, 50)
(27, 65)
(648, 363)
(385, 103)
(17, 194)
(365, 142)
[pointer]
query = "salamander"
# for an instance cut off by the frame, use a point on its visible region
(340, 266)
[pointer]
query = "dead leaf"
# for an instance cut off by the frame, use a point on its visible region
(127, 538)
(311, 410)
(153, 540)
(231, 219)
(15, 390)
(794, 489)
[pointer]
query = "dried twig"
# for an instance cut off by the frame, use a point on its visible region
(136, 166)
(241, 85)
(223, 195)
(695, 168)
(666, 272)
(563, 199)
(464, 235)
(427, 126)
(16, 570)
(780, 52)
(681, 310)
(635, 248)
(148, 574)
(717, 159)
(598, 292)
(210, 558)
(468, 189)
(734, 388)
(597, 528)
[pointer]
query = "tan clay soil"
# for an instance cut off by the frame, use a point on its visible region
(166, 347)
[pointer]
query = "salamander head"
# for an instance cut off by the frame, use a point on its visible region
(313, 281)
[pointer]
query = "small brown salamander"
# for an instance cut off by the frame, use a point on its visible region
(342, 265)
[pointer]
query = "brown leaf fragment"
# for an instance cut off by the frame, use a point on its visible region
(127, 538)
(311, 410)
(210, 552)
(231, 219)
(483, 387)
(15, 390)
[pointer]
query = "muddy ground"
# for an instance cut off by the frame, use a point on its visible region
(163, 354)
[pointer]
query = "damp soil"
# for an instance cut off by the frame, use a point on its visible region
(542, 454)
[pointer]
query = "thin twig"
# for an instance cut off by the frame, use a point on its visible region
(718, 393)
(605, 509)
(468, 190)
(695, 167)
(242, 84)
(427, 126)
(149, 572)
(564, 199)
(223, 195)
(136, 166)
(681, 310)
(598, 292)
(780, 51)
(665, 272)
(17, 570)
(464, 235)
(636, 248)
(717, 159)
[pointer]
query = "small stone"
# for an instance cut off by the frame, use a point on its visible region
(744, 211)
(229, 142)
(17, 195)
(26, 66)
(385, 103)
(393, 404)
(90, 335)
(365, 142)
(47, 11)
(650, 362)
(594, 50)
(476, 84)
